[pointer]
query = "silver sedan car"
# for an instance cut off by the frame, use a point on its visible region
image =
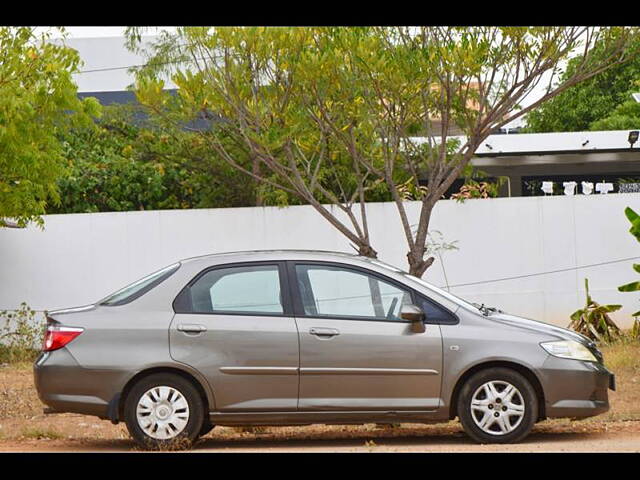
(303, 337)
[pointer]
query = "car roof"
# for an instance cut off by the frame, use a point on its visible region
(204, 261)
(280, 254)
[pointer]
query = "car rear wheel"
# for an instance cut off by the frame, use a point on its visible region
(164, 411)
(497, 405)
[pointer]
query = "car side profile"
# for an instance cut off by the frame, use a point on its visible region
(303, 337)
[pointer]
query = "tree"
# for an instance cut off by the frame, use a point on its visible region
(38, 99)
(583, 106)
(625, 116)
(325, 114)
(125, 162)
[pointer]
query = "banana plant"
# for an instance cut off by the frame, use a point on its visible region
(634, 218)
(593, 320)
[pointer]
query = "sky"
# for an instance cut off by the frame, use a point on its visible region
(95, 31)
(99, 31)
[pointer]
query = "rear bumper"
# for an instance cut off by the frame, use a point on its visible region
(64, 386)
(575, 389)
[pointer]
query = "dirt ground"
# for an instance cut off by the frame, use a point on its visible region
(24, 428)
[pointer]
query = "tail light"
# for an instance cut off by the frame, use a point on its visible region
(57, 337)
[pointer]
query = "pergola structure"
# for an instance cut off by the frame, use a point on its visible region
(528, 159)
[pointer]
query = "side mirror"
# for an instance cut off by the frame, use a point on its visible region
(415, 315)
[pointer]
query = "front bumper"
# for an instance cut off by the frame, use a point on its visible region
(575, 389)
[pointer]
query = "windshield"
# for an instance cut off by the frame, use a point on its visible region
(449, 296)
(440, 291)
(140, 287)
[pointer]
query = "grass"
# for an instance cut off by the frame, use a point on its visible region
(623, 359)
(41, 434)
(623, 356)
(17, 355)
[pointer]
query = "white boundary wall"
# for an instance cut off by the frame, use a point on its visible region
(81, 258)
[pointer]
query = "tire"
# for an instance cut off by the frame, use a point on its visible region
(164, 411)
(491, 419)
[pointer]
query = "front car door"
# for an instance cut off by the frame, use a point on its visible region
(233, 323)
(355, 351)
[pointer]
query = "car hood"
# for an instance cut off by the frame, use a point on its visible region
(540, 327)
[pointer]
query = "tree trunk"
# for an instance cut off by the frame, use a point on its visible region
(367, 250)
(417, 263)
(255, 168)
(417, 266)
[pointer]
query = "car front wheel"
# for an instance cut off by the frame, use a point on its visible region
(164, 411)
(497, 405)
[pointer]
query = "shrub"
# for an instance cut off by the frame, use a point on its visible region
(19, 335)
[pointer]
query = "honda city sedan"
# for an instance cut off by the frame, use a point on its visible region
(305, 337)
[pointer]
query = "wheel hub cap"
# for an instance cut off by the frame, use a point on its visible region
(162, 412)
(497, 407)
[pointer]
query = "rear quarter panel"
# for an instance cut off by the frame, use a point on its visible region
(119, 342)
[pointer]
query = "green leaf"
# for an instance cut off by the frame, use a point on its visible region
(631, 215)
(630, 287)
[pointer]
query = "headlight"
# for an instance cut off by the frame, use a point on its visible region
(569, 349)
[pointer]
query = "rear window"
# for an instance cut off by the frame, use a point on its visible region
(140, 287)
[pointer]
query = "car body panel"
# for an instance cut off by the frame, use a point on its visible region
(369, 365)
(251, 362)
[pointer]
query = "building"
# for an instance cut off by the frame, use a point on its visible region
(526, 160)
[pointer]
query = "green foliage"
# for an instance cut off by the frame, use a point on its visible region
(475, 189)
(588, 105)
(625, 116)
(19, 335)
(125, 163)
(475, 186)
(38, 100)
(436, 243)
(634, 218)
(593, 320)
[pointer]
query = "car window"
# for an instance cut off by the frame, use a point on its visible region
(435, 313)
(243, 289)
(343, 292)
(140, 287)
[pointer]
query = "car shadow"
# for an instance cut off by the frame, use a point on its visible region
(395, 437)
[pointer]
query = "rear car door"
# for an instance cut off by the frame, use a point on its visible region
(355, 351)
(233, 323)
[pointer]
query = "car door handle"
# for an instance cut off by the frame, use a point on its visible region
(191, 328)
(324, 332)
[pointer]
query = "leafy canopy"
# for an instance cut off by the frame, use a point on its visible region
(127, 162)
(38, 99)
(600, 103)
